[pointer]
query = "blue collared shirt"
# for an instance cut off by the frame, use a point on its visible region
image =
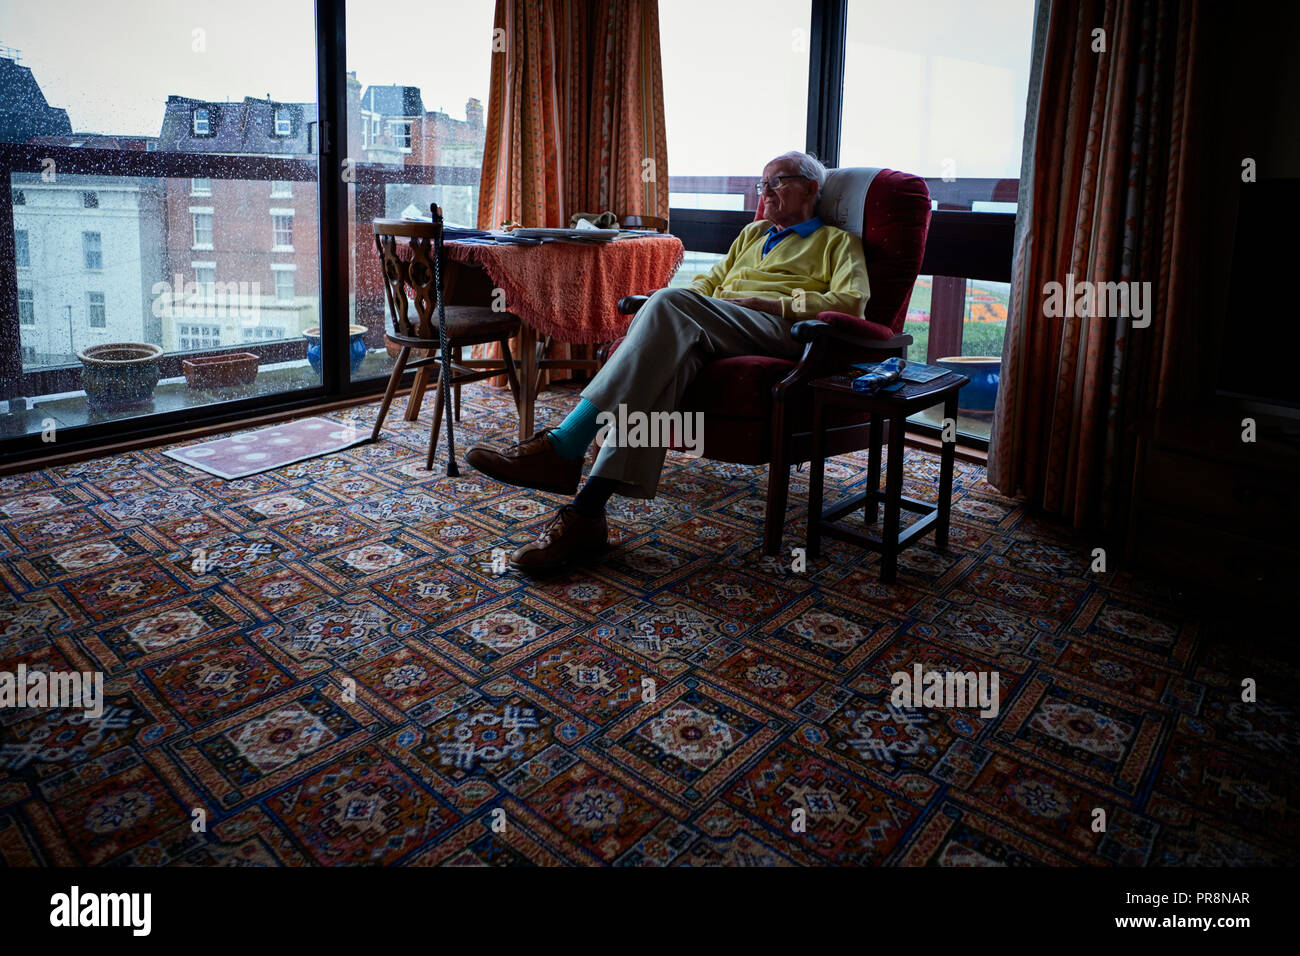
(804, 229)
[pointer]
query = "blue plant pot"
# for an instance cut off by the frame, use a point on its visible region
(356, 347)
(984, 372)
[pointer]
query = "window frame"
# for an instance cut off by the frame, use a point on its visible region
(206, 119)
(195, 212)
(402, 129)
(285, 114)
(27, 296)
(277, 214)
(284, 268)
(97, 251)
(25, 261)
(92, 305)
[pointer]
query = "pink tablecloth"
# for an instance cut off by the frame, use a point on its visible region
(571, 290)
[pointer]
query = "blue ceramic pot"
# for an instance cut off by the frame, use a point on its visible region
(356, 347)
(984, 371)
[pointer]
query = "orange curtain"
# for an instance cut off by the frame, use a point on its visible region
(1110, 192)
(575, 119)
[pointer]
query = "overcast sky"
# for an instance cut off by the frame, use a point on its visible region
(926, 80)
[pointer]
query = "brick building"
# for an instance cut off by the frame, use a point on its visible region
(242, 255)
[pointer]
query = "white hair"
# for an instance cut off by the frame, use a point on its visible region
(809, 165)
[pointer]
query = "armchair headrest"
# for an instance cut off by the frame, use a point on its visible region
(844, 196)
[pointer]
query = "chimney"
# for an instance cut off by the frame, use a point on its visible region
(474, 112)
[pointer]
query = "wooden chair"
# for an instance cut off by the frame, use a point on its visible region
(466, 325)
(634, 220)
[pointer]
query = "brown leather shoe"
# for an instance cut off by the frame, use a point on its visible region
(569, 537)
(530, 464)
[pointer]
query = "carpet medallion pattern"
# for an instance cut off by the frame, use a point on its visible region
(327, 661)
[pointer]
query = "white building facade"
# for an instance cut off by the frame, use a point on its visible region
(88, 250)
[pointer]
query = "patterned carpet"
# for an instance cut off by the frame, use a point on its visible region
(348, 681)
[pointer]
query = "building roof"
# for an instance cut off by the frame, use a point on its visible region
(393, 100)
(246, 127)
(24, 111)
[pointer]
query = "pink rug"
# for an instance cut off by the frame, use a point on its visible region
(248, 453)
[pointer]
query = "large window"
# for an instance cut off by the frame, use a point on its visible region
(412, 144)
(170, 244)
(735, 95)
(201, 142)
(945, 101)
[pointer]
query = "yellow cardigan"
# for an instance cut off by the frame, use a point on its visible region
(823, 273)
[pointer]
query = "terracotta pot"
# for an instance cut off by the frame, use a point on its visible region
(219, 371)
(120, 374)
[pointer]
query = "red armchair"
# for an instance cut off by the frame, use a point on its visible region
(758, 409)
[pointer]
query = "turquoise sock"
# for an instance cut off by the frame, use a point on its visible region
(575, 433)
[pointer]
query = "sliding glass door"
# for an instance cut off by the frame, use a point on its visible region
(415, 135)
(159, 247)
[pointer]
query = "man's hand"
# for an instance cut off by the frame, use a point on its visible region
(770, 306)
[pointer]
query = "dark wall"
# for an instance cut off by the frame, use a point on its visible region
(1254, 73)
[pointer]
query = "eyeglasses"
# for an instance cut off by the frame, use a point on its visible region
(776, 182)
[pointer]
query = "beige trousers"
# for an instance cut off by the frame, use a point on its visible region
(670, 339)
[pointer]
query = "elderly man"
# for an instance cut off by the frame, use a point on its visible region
(781, 269)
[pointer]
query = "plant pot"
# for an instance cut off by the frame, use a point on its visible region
(220, 371)
(984, 372)
(356, 346)
(120, 374)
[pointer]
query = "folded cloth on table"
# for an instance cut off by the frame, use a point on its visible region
(601, 220)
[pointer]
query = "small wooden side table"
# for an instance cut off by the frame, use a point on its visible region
(893, 407)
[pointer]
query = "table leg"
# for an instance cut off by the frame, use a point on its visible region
(816, 476)
(871, 510)
(414, 400)
(893, 493)
(527, 379)
(946, 456)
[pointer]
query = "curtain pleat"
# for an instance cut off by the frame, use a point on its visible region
(575, 111)
(1106, 195)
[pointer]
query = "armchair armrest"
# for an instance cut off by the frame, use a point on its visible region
(849, 330)
(631, 304)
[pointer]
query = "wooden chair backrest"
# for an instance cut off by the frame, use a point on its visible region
(634, 220)
(409, 279)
